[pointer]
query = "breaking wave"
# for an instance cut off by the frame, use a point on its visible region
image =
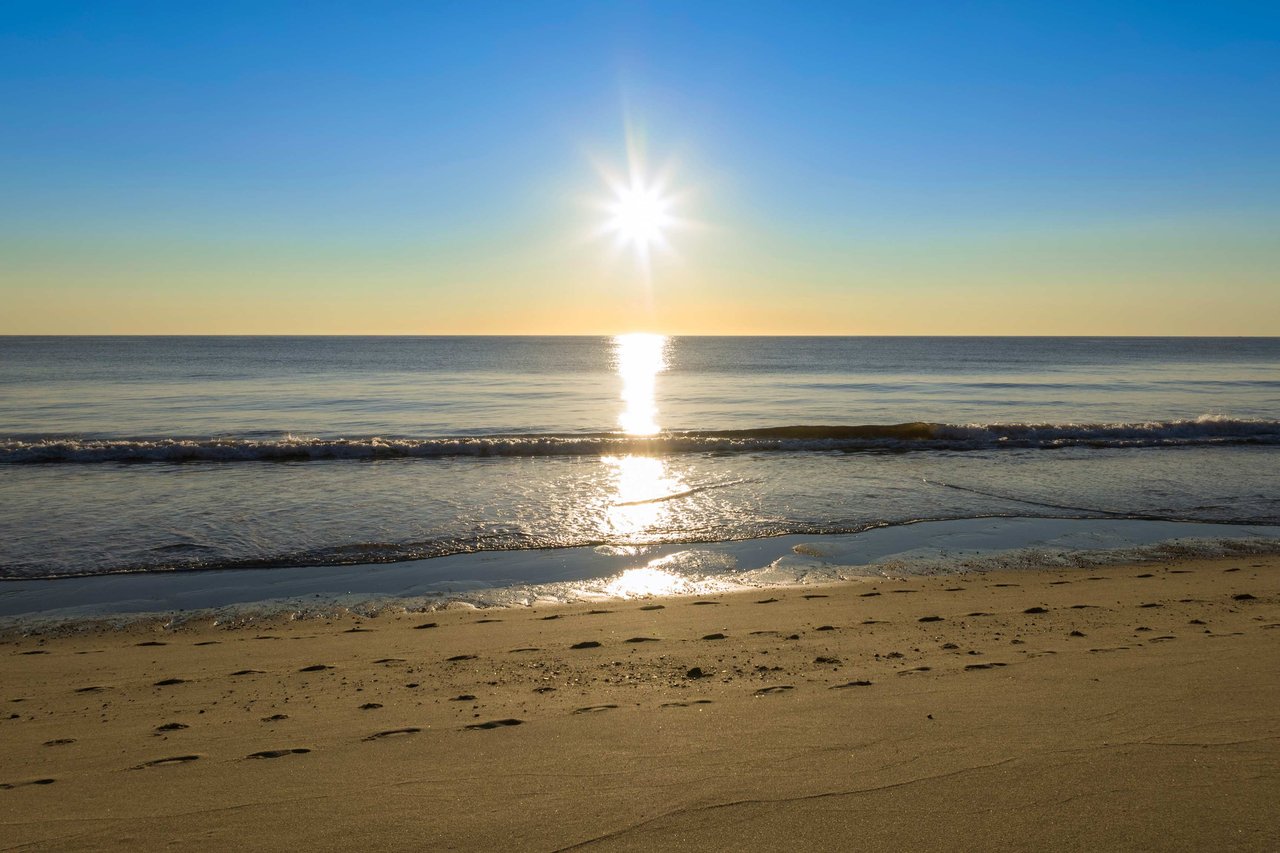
(1205, 430)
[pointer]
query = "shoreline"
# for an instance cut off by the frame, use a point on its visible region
(1126, 707)
(540, 577)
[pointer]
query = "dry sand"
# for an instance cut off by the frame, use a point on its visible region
(1131, 707)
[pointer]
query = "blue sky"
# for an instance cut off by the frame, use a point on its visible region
(163, 162)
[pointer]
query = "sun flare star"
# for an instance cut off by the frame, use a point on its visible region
(640, 216)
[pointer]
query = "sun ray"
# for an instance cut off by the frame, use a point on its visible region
(640, 209)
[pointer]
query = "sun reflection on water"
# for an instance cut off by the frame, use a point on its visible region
(639, 358)
(641, 583)
(643, 492)
(641, 485)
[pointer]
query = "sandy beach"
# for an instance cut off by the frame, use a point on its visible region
(1131, 707)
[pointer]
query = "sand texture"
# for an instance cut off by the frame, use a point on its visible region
(1125, 708)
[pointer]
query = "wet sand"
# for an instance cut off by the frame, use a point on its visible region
(1129, 707)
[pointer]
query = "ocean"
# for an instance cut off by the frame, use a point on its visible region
(166, 455)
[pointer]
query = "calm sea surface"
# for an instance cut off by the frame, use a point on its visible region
(155, 454)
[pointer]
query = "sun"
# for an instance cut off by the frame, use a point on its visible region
(639, 216)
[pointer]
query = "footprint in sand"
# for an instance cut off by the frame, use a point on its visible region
(825, 628)
(358, 630)
(34, 652)
(641, 640)
(495, 724)
(991, 665)
(408, 730)
(714, 637)
(165, 762)
(1151, 604)
(426, 625)
(813, 595)
(526, 649)
(586, 644)
(97, 688)
(685, 704)
(826, 660)
(463, 697)
(151, 643)
(207, 643)
(544, 690)
(249, 672)
(316, 667)
(1244, 596)
(278, 753)
(171, 727)
(914, 670)
(930, 619)
(1035, 610)
(777, 688)
(868, 594)
(5, 786)
(654, 607)
(275, 718)
(390, 660)
(770, 600)
(486, 621)
(62, 741)
(169, 682)
(591, 709)
(460, 657)
(850, 684)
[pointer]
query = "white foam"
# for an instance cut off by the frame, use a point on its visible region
(1204, 430)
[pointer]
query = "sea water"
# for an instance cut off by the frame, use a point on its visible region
(158, 455)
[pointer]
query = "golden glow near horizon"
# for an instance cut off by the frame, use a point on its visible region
(639, 358)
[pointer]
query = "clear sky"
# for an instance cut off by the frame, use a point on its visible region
(832, 168)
